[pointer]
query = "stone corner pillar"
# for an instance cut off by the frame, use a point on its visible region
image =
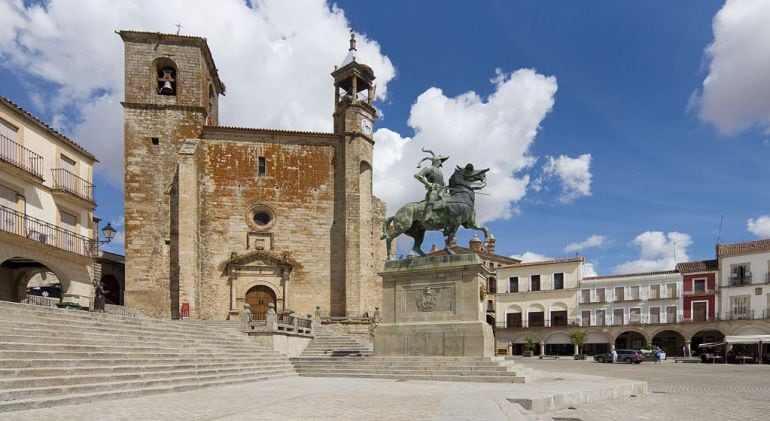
(188, 221)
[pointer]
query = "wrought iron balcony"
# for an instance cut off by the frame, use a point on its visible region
(34, 229)
(21, 157)
(65, 181)
(699, 292)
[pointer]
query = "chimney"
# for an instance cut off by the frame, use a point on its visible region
(433, 248)
(490, 245)
(475, 243)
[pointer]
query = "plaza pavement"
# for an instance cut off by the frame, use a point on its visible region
(677, 392)
(317, 398)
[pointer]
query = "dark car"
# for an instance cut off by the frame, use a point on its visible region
(624, 355)
(51, 291)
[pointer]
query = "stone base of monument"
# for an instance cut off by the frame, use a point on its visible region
(434, 306)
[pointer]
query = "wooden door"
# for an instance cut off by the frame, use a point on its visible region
(259, 298)
(699, 310)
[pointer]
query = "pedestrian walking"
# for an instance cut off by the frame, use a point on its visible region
(614, 356)
(658, 353)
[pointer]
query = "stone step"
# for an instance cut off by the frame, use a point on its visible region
(386, 370)
(43, 354)
(68, 331)
(126, 341)
(300, 366)
(43, 391)
(67, 347)
(166, 326)
(446, 378)
(71, 367)
(55, 360)
(152, 375)
(110, 394)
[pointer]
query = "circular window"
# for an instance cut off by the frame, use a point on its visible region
(260, 217)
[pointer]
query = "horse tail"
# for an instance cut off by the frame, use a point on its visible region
(385, 225)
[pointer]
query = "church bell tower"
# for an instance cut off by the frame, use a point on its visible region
(354, 117)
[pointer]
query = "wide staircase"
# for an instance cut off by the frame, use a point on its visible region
(51, 356)
(331, 354)
(327, 343)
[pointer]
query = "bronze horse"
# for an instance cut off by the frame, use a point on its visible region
(457, 209)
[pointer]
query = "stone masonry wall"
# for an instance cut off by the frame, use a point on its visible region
(297, 187)
(151, 170)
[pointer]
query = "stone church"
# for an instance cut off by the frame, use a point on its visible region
(219, 216)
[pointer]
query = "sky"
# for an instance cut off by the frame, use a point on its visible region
(633, 133)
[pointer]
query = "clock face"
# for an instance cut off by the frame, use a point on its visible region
(366, 126)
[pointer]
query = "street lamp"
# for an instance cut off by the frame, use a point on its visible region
(109, 232)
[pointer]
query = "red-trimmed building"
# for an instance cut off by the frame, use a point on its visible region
(699, 290)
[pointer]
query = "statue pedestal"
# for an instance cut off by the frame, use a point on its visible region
(434, 306)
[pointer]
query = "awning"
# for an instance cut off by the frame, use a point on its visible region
(711, 345)
(747, 339)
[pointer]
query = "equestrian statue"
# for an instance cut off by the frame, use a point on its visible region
(445, 208)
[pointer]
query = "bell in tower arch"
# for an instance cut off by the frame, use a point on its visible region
(167, 82)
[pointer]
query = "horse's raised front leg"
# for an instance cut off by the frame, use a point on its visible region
(474, 226)
(419, 236)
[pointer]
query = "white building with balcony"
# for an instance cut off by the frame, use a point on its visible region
(47, 227)
(744, 283)
(639, 298)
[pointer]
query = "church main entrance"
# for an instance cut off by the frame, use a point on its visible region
(258, 298)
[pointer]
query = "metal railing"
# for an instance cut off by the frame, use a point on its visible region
(738, 315)
(735, 281)
(348, 317)
(43, 232)
(21, 157)
(699, 292)
(37, 300)
(66, 181)
(526, 324)
(284, 319)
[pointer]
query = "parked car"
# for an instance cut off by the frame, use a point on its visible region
(50, 290)
(624, 355)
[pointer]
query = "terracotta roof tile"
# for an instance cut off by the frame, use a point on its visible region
(629, 275)
(743, 248)
(700, 266)
(36, 121)
(580, 259)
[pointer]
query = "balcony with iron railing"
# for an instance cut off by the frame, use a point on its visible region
(21, 158)
(69, 183)
(39, 231)
(699, 291)
(737, 281)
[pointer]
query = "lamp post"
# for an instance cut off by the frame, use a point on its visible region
(108, 232)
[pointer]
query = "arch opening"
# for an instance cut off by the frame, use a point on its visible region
(21, 278)
(259, 299)
(671, 342)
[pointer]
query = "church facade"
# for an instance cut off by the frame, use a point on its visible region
(220, 216)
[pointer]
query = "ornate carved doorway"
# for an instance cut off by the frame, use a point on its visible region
(259, 297)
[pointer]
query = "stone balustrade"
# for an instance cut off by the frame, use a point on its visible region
(276, 323)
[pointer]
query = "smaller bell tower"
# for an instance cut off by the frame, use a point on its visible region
(354, 117)
(354, 92)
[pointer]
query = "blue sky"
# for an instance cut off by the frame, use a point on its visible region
(620, 84)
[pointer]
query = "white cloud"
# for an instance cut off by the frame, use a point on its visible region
(574, 174)
(494, 132)
(657, 252)
(589, 270)
(592, 241)
(760, 226)
(71, 46)
(736, 92)
(529, 256)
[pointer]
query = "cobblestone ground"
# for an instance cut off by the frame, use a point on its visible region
(676, 391)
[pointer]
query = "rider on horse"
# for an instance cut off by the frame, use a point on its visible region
(433, 179)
